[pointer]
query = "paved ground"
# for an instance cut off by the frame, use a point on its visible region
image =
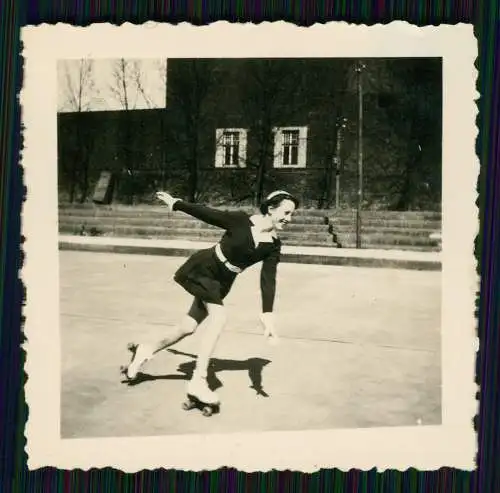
(360, 348)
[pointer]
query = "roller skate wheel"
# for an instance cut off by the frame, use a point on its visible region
(187, 405)
(207, 411)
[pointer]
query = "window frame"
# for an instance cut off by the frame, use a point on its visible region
(220, 148)
(279, 146)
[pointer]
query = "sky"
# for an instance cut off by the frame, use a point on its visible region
(101, 84)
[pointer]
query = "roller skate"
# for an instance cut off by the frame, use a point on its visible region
(140, 355)
(201, 397)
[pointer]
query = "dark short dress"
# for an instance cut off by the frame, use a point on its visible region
(209, 280)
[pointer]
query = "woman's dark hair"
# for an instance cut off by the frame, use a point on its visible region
(274, 200)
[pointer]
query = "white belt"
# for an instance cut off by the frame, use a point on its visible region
(225, 261)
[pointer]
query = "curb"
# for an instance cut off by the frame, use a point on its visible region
(306, 257)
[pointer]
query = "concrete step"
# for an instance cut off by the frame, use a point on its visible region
(400, 215)
(314, 239)
(162, 217)
(388, 222)
(368, 241)
(317, 213)
(299, 223)
(389, 246)
(146, 209)
(383, 230)
(172, 223)
(200, 228)
(370, 230)
(375, 240)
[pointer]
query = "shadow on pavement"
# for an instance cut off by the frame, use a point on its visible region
(254, 367)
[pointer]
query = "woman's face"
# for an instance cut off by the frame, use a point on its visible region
(281, 215)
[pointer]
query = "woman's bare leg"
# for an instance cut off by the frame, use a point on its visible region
(209, 337)
(144, 352)
(187, 327)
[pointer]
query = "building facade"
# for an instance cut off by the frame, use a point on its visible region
(233, 130)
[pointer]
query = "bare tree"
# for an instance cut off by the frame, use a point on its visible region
(151, 85)
(79, 92)
(267, 96)
(134, 85)
(162, 70)
(137, 77)
(79, 89)
(124, 88)
(189, 88)
(130, 84)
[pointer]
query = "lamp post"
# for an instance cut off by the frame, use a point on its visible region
(360, 66)
(341, 125)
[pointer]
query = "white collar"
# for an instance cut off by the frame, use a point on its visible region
(259, 225)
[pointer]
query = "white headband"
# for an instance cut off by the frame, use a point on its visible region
(277, 192)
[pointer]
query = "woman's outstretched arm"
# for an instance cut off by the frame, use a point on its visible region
(215, 217)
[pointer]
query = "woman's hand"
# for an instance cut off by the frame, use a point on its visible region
(167, 199)
(270, 333)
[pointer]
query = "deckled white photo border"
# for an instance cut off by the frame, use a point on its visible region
(425, 447)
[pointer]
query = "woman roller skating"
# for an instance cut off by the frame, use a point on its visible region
(209, 274)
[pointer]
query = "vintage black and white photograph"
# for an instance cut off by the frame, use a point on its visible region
(253, 244)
